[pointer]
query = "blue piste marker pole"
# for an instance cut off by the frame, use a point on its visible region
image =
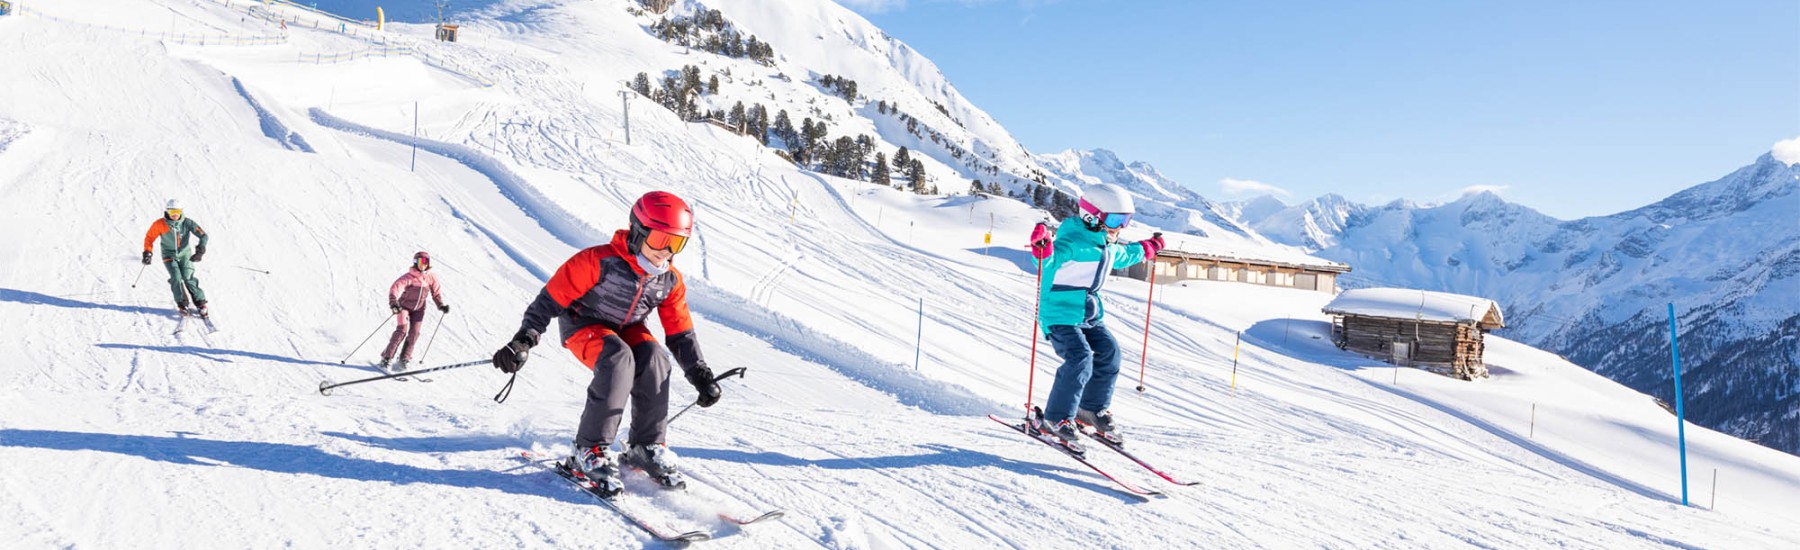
(1680, 418)
(919, 348)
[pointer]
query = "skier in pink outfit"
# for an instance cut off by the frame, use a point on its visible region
(407, 299)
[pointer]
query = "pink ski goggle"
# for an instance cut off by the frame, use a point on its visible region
(1113, 220)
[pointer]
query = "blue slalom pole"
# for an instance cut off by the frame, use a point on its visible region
(920, 346)
(1680, 418)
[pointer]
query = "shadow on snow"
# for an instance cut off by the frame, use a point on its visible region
(217, 355)
(934, 455)
(280, 458)
(32, 298)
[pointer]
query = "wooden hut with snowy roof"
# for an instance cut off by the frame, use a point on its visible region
(1437, 331)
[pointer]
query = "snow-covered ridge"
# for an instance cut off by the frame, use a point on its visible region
(876, 326)
(1594, 289)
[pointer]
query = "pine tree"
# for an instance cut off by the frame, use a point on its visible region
(641, 84)
(916, 173)
(712, 85)
(758, 123)
(844, 158)
(784, 128)
(1063, 205)
(903, 157)
(1040, 196)
(881, 170)
(864, 146)
(976, 188)
(801, 148)
(815, 137)
(690, 79)
(736, 117)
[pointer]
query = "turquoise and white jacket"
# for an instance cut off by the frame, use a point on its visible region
(1075, 273)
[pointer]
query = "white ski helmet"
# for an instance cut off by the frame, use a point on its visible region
(173, 205)
(1106, 206)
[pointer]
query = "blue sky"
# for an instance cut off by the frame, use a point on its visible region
(1572, 108)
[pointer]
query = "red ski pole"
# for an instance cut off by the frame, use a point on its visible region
(1144, 356)
(1037, 303)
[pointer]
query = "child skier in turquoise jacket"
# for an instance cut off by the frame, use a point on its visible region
(1084, 251)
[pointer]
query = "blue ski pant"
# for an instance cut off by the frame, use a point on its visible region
(1090, 364)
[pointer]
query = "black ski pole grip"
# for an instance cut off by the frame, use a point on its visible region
(739, 372)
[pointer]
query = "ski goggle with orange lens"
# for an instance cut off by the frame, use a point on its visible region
(663, 240)
(173, 212)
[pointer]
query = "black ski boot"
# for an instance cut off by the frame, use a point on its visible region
(1062, 433)
(656, 460)
(596, 465)
(1102, 425)
(201, 305)
(384, 365)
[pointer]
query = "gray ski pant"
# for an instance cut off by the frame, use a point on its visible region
(638, 375)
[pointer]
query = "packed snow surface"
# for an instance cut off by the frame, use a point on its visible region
(878, 327)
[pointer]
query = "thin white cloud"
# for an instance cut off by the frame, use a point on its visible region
(1233, 187)
(873, 6)
(1473, 189)
(1787, 151)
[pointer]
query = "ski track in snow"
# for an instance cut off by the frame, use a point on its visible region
(831, 423)
(272, 126)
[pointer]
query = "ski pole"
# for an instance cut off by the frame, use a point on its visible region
(433, 338)
(727, 374)
(140, 275)
(264, 272)
(326, 386)
(1037, 304)
(366, 339)
(1144, 356)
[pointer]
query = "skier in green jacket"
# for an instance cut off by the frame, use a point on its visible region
(176, 231)
(1081, 252)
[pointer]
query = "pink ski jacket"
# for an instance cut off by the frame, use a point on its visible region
(409, 290)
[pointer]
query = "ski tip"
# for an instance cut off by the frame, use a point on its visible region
(767, 516)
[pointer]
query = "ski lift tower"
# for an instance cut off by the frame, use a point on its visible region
(445, 32)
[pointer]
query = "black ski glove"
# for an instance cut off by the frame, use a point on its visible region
(702, 379)
(146, 257)
(199, 251)
(444, 308)
(394, 308)
(512, 357)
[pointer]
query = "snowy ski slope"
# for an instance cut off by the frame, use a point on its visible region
(118, 434)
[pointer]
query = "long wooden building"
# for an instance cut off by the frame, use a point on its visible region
(1175, 266)
(1436, 331)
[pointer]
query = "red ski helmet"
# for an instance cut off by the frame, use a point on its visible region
(661, 220)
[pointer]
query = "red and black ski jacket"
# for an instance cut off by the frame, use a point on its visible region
(602, 291)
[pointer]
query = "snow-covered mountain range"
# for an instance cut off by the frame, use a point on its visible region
(1160, 200)
(1726, 253)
